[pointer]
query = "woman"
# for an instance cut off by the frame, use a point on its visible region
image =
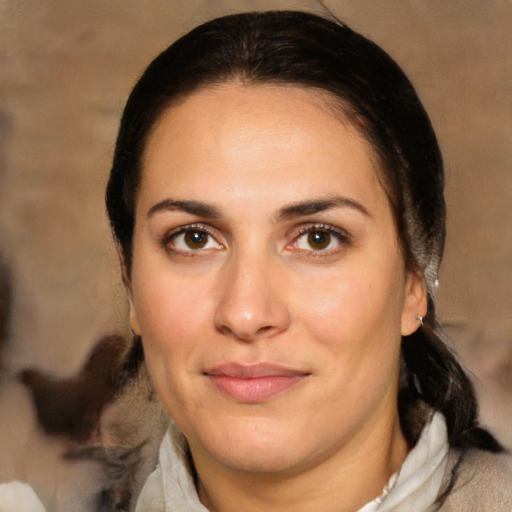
(277, 200)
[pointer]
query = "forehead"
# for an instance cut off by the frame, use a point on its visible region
(252, 105)
(268, 135)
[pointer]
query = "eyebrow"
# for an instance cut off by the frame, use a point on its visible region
(299, 209)
(193, 207)
(311, 207)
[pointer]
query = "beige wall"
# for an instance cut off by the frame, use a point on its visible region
(66, 67)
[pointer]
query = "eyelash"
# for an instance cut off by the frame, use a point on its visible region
(341, 235)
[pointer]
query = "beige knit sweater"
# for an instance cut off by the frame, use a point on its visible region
(484, 484)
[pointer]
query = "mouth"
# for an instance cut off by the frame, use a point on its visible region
(253, 383)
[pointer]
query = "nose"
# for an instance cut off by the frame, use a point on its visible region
(251, 304)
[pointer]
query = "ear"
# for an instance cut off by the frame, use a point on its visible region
(127, 282)
(415, 302)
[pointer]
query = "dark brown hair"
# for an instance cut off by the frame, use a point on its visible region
(297, 48)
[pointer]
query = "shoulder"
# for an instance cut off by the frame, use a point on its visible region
(483, 482)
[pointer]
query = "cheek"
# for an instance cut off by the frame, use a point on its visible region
(355, 324)
(356, 321)
(352, 306)
(162, 306)
(172, 324)
(170, 315)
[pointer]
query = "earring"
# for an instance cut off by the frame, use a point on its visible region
(420, 319)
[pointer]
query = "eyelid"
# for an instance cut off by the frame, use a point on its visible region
(322, 226)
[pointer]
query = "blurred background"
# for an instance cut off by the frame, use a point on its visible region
(66, 68)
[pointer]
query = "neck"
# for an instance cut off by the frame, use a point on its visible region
(343, 482)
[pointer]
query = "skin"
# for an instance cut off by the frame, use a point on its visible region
(262, 288)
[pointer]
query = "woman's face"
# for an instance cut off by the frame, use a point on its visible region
(267, 280)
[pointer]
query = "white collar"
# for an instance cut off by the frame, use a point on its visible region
(415, 487)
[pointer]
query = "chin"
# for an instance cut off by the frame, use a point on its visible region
(259, 458)
(255, 445)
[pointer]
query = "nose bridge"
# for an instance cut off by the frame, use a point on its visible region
(250, 305)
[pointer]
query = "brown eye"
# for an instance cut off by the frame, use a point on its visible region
(195, 239)
(192, 239)
(319, 240)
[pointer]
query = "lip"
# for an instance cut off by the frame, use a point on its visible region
(253, 383)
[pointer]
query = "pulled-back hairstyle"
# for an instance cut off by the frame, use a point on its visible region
(297, 48)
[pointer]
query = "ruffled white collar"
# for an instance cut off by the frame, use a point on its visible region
(415, 487)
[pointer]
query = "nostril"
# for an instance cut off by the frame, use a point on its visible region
(264, 329)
